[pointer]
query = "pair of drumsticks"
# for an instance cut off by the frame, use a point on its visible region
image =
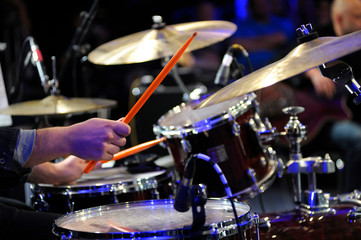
(140, 103)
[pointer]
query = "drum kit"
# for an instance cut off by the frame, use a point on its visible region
(112, 203)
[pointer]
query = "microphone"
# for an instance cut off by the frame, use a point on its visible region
(182, 199)
(37, 60)
(341, 73)
(224, 70)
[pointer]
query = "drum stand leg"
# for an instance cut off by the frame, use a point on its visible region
(311, 200)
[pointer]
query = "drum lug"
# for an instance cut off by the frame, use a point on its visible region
(354, 215)
(280, 167)
(113, 190)
(63, 236)
(70, 204)
(236, 129)
(39, 203)
(263, 224)
(252, 174)
(187, 147)
(155, 194)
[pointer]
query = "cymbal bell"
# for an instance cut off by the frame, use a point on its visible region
(57, 105)
(160, 42)
(302, 58)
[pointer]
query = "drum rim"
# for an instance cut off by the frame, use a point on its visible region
(261, 185)
(129, 186)
(229, 114)
(215, 230)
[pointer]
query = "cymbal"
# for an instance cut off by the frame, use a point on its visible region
(57, 105)
(159, 43)
(302, 58)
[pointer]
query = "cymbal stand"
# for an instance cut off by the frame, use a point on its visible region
(178, 80)
(295, 132)
(159, 24)
(312, 200)
(54, 83)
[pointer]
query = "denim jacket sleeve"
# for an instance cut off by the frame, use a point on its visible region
(11, 169)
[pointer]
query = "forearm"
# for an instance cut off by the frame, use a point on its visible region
(94, 139)
(43, 173)
(64, 172)
(49, 144)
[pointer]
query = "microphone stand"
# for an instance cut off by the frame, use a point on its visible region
(198, 199)
(341, 73)
(75, 48)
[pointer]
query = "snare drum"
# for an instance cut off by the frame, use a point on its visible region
(228, 133)
(103, 186)
(155, 219)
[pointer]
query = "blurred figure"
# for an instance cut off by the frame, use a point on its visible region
(330, 115)
(346, 18)
(263, 33)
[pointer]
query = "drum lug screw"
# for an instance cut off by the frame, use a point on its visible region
(236, 129)
(252, 174)
(187, 147)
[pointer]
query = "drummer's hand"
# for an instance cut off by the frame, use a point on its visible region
(65, 172)
(97, 139)
(323, 85)
(71, 169)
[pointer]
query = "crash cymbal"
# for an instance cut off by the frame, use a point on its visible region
(57, 105)
(302, 58)
(160, 42)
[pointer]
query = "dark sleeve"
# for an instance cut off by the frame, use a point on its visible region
(10, 171)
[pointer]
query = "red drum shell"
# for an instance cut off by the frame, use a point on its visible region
(211, 131)
(292, 225)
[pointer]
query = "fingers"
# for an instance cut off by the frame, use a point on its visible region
(121, 128)
(98, 139)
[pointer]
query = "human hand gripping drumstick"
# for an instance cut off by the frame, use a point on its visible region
(150, 90)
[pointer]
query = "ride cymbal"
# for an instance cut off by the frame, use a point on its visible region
(160, 42)
(57, 105)
(302, 58)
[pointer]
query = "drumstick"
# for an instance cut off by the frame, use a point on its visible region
(150, 90)
(135, 149)
(120, 228)
(129, 151)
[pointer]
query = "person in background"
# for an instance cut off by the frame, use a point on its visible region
(346, 18)
(330, 116)
(263, 33)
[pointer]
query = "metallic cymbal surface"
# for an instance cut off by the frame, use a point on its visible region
(57, 105)
(302, 58)
(159, 43)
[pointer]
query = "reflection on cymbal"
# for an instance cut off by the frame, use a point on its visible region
(159, 43)
(57, 105)
(302, 58)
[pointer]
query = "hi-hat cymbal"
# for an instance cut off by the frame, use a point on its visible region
(159, 43)
(302, 58)
(57, 105)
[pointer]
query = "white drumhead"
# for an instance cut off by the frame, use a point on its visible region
(149, 217)
(104, 176)
(185, 115)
